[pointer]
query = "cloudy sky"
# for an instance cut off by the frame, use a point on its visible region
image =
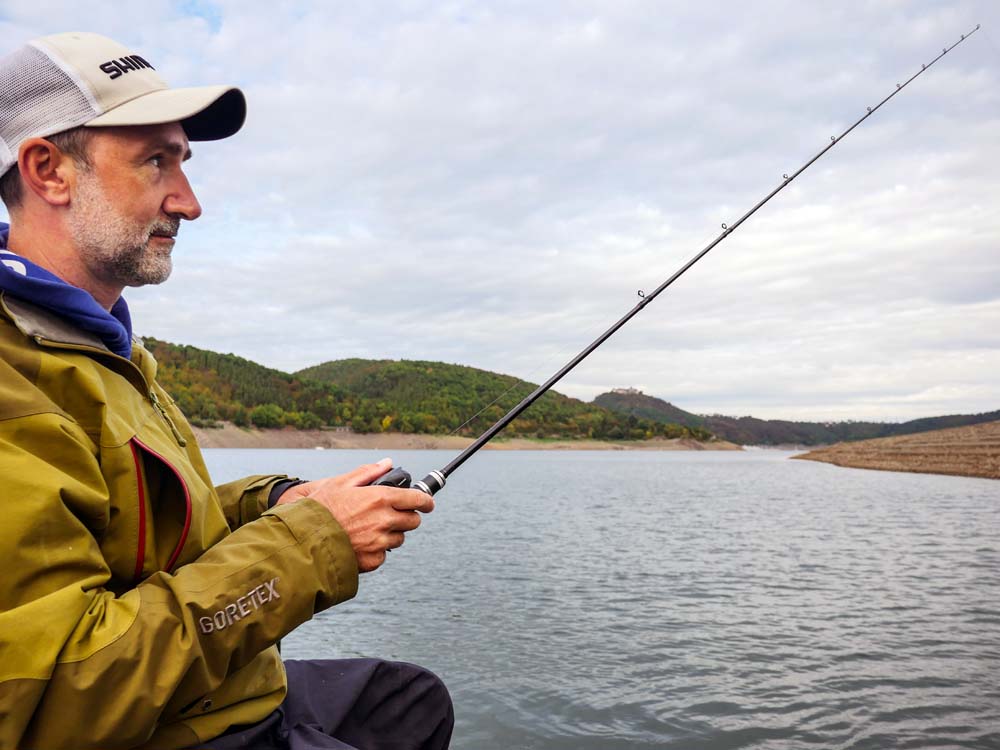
(490, 183)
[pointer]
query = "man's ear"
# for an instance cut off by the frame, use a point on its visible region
(46, 171)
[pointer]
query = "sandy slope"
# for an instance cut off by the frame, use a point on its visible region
(231, 436)
(972, 451)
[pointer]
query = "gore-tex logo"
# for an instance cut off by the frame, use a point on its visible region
(245, 605)
(116, 68)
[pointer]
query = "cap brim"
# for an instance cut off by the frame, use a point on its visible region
(207, 113)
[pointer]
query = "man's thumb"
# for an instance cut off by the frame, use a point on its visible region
(368, 473)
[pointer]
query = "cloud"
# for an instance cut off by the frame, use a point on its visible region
(491, 183)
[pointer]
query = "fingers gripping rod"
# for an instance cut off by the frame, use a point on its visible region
(436, 479)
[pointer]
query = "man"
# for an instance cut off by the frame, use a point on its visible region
(139, 605)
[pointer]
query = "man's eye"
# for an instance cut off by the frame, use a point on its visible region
(156, 161)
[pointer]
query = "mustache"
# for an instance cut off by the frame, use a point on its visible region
(165, 227)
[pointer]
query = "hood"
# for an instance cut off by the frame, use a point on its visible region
(21, 278)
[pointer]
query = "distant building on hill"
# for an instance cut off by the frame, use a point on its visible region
(627, 391)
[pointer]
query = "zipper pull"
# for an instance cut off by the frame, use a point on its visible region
(163, 413)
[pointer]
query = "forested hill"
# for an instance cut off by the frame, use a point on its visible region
(381, 396)
(753, 431)
(631, 401)
(439, 397)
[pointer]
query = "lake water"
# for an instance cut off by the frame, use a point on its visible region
(604, 600)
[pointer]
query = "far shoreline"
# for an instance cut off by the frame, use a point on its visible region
(231, 436)
(969, 451)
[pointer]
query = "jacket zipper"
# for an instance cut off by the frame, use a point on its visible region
(163, 413)
(187, 503)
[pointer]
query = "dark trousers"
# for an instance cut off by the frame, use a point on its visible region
(352, 704)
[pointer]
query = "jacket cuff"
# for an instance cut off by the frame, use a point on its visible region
(253, 495)
(325, 541)
(278, 489)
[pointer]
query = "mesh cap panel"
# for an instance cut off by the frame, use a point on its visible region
(37, 98)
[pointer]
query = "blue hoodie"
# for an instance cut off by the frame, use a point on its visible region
(20, 277)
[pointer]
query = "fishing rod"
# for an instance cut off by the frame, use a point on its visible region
(435, 480)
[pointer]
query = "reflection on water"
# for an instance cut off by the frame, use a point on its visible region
(684, 600)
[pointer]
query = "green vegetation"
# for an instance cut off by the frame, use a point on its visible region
(753, 431)
(631, 401)
(436, 398)
(383, 396)
(211, 387)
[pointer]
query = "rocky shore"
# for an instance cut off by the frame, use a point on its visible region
(972, 451)
(231, 436)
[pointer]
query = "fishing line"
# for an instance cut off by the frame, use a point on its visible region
(435, 480)
(471, 419)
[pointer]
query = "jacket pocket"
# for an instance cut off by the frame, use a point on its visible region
(165, 511)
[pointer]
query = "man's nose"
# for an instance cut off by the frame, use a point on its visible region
(182, 201)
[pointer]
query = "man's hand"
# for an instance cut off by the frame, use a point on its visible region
(375, 518)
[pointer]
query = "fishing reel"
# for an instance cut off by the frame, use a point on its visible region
(401, 478)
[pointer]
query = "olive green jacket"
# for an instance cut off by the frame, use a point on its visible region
(139, 605)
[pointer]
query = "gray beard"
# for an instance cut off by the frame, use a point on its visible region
(114, 248)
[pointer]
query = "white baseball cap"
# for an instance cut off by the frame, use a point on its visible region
(63, 81)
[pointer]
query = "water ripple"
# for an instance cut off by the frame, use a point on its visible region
(702, 601)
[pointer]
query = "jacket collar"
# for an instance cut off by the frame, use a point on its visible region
(38, 323)
(45, 327)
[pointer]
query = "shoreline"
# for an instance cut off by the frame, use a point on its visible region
(970, 451)
(231, 436)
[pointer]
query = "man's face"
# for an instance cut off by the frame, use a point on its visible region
(128, 204)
